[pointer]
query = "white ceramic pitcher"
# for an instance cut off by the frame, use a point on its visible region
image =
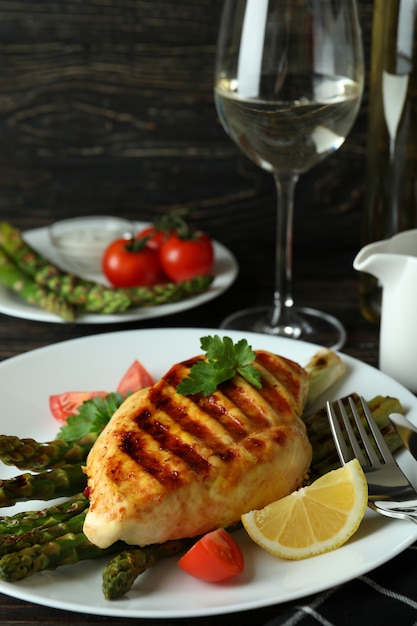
(394, 263)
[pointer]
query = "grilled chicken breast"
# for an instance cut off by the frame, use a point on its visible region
(169, 466)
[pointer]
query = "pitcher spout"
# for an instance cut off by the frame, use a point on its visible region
(387, 259)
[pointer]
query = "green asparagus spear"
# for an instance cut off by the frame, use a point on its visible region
(64, 550)
(325, 367)
(122, 571)
(23, 285)
(168, 292)
(36, 456)
(60, 482)
(26, 521)
(14, 543)
(93, 297)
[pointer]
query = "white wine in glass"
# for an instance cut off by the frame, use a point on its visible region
(288, 86)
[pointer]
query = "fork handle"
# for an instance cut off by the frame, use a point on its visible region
(400, 510)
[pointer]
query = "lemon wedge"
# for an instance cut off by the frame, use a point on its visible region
(315, 519)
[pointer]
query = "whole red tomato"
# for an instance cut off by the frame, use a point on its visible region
(183, 258)
(130, 263)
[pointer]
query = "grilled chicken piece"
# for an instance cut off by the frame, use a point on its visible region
(170, 466)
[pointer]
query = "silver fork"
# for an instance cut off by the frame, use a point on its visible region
(389, 490)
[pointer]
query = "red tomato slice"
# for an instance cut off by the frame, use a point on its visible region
(214, 557)
(136, 377)
(63, 405)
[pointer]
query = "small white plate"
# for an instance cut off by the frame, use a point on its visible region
(225, 273)
(98, 362)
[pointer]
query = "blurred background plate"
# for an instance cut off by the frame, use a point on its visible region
(225, 273)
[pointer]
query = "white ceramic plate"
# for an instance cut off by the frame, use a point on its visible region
(225, 272)
(98, 362)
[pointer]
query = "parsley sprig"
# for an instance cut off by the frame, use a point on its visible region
(224, 360)
(91, 417)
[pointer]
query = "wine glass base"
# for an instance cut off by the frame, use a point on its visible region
(311, 325)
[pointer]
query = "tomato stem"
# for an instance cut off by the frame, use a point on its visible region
(176, 221)
(137, 244)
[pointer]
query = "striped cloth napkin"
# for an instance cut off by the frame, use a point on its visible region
(384, 596)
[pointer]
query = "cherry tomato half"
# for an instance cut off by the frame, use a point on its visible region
(135, 378)
(182, 259)
(62, 405)
(214, 557)
(125, 266)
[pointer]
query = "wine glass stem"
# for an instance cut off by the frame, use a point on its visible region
(283, 318)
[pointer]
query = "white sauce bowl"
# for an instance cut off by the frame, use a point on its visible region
(81, 241)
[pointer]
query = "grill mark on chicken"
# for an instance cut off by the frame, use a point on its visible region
(168, 441)
(277, 397)
(133, 444)
(176, 408)
(218, 442)
(174, 376)
(288, 375)
(258, 415)
(117, 471)
(218, 429)
(162, 433)
(233, 423)
(255, 444)
(194, 455)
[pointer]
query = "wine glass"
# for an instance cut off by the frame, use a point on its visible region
(288, 84)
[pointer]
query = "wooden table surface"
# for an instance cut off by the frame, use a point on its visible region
(107, 108)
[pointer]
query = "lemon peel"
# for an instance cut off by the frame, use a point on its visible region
(315, 519)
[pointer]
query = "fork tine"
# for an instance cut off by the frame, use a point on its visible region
(378, 436)
(342, 450)
(357, 450)
(341, 447)
(370, 450)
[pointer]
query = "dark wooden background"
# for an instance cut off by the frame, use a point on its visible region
(106, 106)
